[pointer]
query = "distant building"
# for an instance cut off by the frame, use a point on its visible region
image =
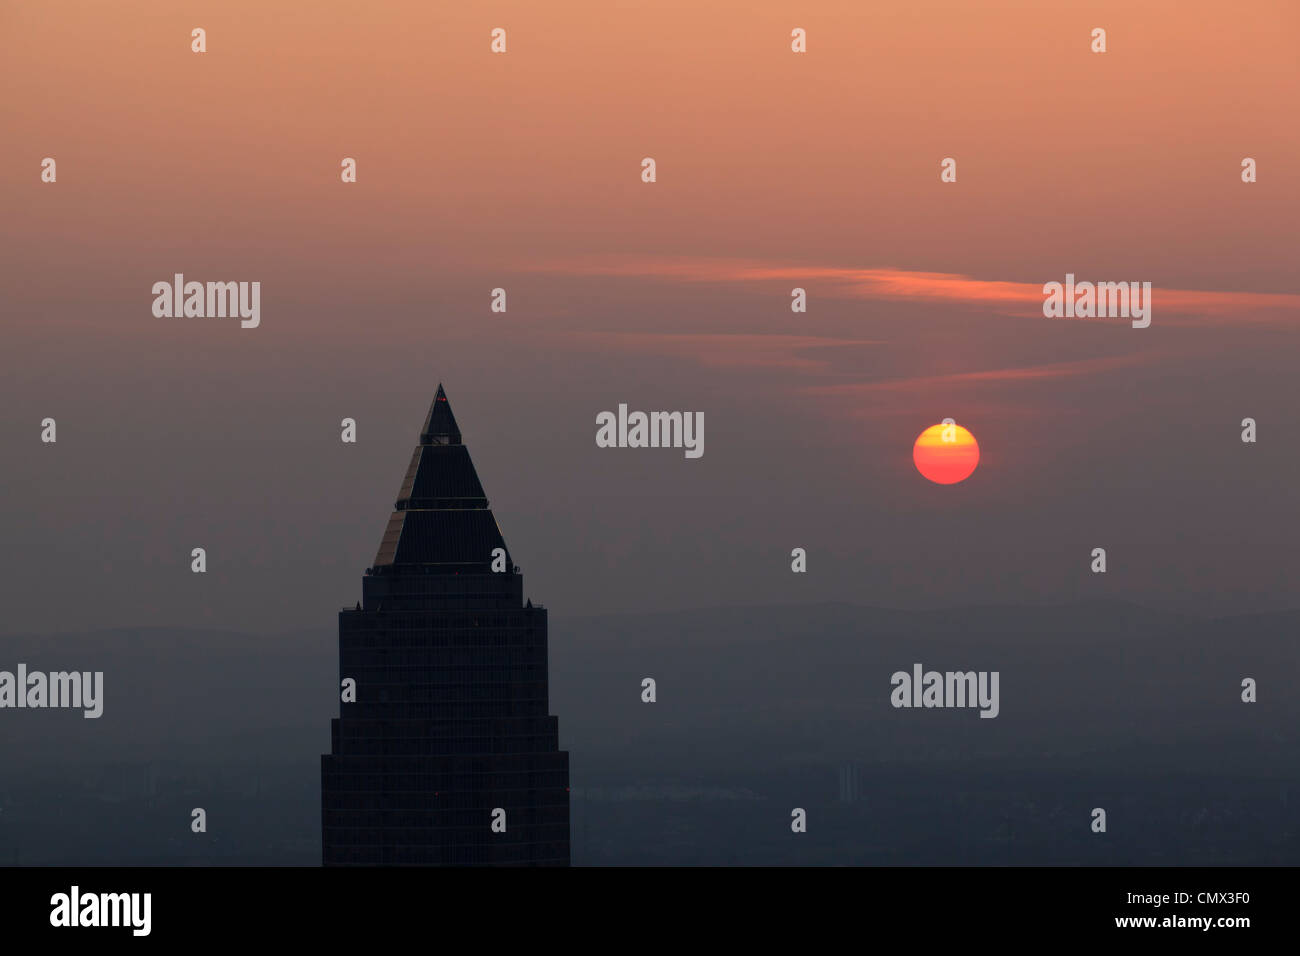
(850, 783)
(450, 721)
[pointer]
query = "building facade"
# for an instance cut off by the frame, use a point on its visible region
(446, 755)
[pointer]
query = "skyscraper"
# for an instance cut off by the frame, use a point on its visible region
(447, 756)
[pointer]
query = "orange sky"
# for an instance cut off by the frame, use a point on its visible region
(473, 164)
(522, 171)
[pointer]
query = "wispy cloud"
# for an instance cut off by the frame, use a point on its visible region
(722, 350)
(1012, 375)
(886, 283)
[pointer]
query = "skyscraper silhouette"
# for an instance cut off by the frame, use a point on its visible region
(449, 731)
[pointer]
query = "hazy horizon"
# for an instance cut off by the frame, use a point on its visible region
(1133, 710)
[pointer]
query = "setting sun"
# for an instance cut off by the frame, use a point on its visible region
(946, 453)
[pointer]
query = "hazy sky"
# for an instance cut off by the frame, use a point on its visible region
(522, 171)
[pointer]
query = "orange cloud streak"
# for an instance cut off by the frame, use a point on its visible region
(1050, 370)
(1022, 298)
(726, 350)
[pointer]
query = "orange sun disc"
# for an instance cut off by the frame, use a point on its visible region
(946, 454)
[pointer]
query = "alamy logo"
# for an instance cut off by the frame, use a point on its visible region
(102, 909)
(949, 689)
(1104, 300)
(653, 430)
(179, 298)
(56, 689)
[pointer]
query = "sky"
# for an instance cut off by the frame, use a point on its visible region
(774, 170)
